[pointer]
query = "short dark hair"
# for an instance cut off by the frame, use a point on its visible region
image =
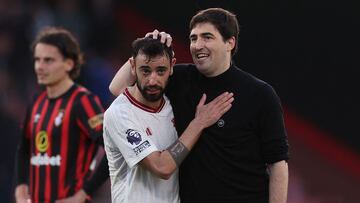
(223, 20)
(151, 48)
(66, 43)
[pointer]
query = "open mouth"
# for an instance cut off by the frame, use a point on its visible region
(202, 55)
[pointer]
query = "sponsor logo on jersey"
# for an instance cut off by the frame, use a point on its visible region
(42, 141)
(44, 160)
(133, 137)
(96, 120)
(142, 147)
(59, 117)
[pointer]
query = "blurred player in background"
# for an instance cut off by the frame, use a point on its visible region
(62, 130)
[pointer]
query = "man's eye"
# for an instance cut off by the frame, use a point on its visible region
(48, 60)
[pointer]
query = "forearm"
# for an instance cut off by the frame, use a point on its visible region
(101, 174)
(163, 164)
(278, 185)
(122, 79)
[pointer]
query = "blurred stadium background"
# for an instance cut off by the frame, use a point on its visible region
(307, 50)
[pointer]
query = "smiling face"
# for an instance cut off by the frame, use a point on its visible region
(51, 67)
(210, 53)
(152, 76)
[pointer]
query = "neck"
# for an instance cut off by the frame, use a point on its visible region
(58, 89)
(135, 92)
(221, 68)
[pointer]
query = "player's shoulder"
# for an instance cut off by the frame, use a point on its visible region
(119, 106)
(82, 91)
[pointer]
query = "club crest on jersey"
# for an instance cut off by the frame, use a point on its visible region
(133, 137)
(36, 118)
(220, 123)
(59, 117)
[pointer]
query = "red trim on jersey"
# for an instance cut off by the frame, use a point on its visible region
(89, 158)
(33, 113)
(98, 102)
(81, 126)
(63, 189)
(37, 168)
(79, 162)
(55, 112)
(89, 110)
(143, 106)
(80, 170)
(29, 133)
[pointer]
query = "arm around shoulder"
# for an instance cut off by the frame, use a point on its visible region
(122, 79)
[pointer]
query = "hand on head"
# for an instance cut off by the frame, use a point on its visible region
(164, 37)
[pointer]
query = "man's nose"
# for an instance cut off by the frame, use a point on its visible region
(153, 78)
(38, 65)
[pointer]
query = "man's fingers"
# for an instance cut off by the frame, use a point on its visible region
(164, 37)
(168, 40)
(226, 109)
(154, 34)
(221, 98)
(222, 106)
(202, 100)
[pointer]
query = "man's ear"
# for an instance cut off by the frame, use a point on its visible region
(133, 66)
(231, 43)
(173, 61)
(69, 64)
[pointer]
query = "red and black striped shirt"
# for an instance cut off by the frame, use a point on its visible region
(60, 139)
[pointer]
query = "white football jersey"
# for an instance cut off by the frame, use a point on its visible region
(131, 132)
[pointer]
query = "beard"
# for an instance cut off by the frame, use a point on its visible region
(150, 97)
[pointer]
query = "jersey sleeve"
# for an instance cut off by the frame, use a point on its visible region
(127, 135)
(89, 116)
(272, 129)
(22, 160)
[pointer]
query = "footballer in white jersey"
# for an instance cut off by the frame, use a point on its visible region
(141, 143)
(131, 132)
